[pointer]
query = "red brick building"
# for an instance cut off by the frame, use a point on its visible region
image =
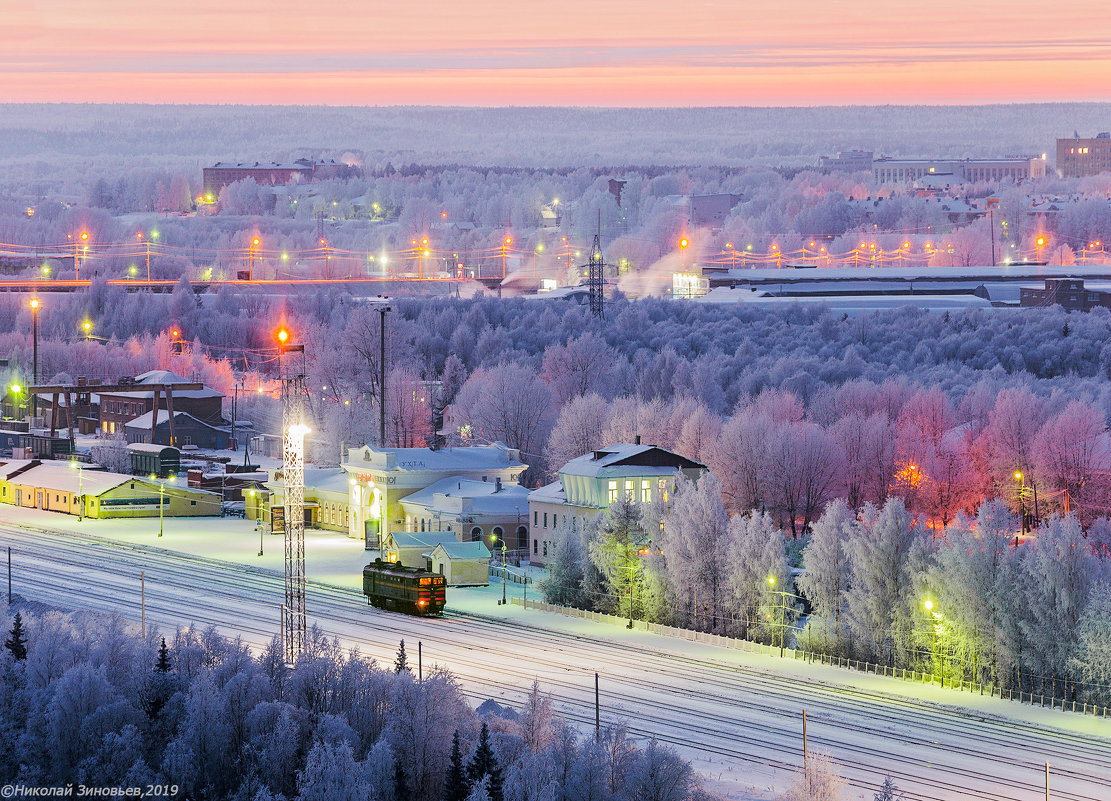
(306, 171)
(119, 408)
(1068, 293)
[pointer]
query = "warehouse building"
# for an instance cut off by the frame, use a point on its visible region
(62, 486)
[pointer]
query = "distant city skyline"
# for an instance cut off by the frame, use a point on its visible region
(575, 52)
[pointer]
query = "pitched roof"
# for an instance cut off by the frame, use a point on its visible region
(549, 493)
(510, 500)
(625, 458)
(463, 550)
(476, 457)
(142, 422)
(164, 377)
(419, 539)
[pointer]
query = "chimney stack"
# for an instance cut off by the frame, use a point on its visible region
(636, 439)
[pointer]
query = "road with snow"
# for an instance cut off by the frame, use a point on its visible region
(739, 723)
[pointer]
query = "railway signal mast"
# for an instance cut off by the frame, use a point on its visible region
(293, 479)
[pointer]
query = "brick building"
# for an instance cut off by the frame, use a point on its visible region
(272, 173)
(1068, 293)
(1079, 157)
(119, 408)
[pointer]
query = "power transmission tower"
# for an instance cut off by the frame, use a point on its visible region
(596, 280)
(293, 477)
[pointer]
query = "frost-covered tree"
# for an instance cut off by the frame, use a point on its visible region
(758, 555)
(886, 552)
(564, 583)
(1091, 662)
(696, 547)
(330, 774)
(577, 431)
(818, 780)
(1058, 572)
(826, 580)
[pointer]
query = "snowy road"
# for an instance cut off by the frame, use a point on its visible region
(741, 725)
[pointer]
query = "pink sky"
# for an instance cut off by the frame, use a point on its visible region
(562, 52)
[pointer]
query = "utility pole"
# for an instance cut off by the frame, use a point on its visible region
(9, 575)
(35, 361)
(143, 599)
(382, 309)
(598, 713)
(805, 755)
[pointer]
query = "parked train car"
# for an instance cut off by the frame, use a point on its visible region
(390, 585)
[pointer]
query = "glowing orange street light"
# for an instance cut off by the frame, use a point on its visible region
(283, 335)
(683, 243)
(255, 242)
(175, 333)
(906, 245)
(1040, 241)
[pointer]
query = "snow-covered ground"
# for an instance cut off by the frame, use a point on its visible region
(736, 715)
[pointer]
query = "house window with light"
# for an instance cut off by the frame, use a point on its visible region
(629, 489)
(663, 490)
(612, 494)
(645, 491)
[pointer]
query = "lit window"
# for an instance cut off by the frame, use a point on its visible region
(645, 490)
(629, 489)
(663, 490)
(612, 492)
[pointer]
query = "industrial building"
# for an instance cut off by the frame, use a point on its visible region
(963, 171)
(222, 174)
(121, 407)
(847, 161)
(1079, 157)
(1068, 293)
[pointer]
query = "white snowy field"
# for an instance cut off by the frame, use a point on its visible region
(736, 715)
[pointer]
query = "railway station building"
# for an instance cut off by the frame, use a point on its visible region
(379, 479)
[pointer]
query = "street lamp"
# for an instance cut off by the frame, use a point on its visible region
(87, 327)
(74, 464)
(928, 604)
(783, 623)
(16, 390)
(161, 496)
(1021, 498)
(495, 538)
(258, 521)
(255, 242)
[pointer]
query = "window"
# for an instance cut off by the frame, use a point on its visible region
(645, 490)
(663, 490)
(629, 489)
(476, 534)
(497, 532)
(535, 518)
(192, 503)
(545, 520)
(535, 546)
(612, 494)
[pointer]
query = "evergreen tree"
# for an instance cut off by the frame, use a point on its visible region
(400, 782)
(401, 663)
(163, 663)
(888, 791)
(457, 784)
(484, 763)
(17, 644)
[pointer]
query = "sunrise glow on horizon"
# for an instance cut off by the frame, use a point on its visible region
(647, 53)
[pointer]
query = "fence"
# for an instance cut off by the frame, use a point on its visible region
(903, 674)
(510, 576)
